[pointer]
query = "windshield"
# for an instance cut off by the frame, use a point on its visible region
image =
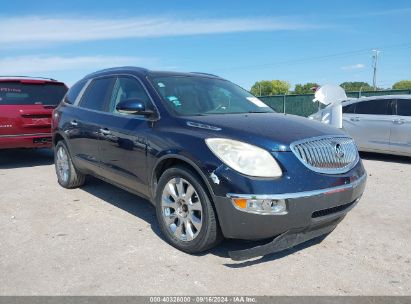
(190, 96)
(17, 93)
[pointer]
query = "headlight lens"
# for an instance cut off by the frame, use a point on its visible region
(244, 158)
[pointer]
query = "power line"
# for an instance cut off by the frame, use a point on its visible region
(313, 59)
(298, 61)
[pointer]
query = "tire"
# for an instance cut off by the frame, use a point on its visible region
(180, 225)
(67, 174)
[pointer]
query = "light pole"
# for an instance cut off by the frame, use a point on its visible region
(375, 59)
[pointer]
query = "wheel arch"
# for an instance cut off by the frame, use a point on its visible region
(60, 136)
(171, 160)
(57, 136)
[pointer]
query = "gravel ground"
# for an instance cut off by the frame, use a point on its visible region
(100, 240)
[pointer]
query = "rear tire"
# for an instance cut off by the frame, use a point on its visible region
(184, 211)
(67, 174)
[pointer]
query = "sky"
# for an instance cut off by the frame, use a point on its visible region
(242, 41)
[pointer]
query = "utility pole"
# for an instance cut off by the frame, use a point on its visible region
(375, 63)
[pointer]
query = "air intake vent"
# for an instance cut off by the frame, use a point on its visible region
(332, 155)
(332, 210)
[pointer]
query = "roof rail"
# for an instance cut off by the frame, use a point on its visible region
(115, 69)
(201, 73)
(31, 77)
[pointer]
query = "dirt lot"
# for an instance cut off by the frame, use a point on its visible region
(100, 240)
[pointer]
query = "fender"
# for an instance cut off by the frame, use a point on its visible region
(184, 159)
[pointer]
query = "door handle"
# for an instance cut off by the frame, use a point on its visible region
(354, 119)
(74, 123)
(105, 131)
(398, 121)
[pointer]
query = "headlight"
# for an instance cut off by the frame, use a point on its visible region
(244, 158)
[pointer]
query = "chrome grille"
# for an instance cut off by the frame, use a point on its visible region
(335, 154)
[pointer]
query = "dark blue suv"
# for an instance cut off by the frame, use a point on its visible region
(214, 160)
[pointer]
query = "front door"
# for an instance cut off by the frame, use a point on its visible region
(370, 125)
(123, 143)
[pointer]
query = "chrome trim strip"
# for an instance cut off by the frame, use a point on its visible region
(202, 126)
(29, 134)
(285, 196)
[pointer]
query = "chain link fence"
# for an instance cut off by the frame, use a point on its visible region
(303, 105)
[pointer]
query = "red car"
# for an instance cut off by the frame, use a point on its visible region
(26, 106)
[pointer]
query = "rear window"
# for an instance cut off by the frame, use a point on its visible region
(16, 93)
(74, 91)
(96, 94)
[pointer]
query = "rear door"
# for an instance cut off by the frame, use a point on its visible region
(83, 126)
(26, 106)
(370, 125)
(400, 140)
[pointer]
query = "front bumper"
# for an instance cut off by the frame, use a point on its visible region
(305, 210)
(286, 240)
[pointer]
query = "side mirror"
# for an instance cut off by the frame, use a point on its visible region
(133, 106)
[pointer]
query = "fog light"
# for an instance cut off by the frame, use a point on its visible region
(261, 206)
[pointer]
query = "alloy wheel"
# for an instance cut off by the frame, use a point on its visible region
(62, 164)
(182, 210)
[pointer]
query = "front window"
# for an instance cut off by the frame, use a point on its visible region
(126, 88)
(349, 109)
(374, 107)
(189, 96)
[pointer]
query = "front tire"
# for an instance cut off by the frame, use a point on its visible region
(67, 174)
(185, 212)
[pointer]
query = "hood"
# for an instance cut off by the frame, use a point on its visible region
(272, 131)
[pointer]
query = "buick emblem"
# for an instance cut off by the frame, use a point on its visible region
(339, 150)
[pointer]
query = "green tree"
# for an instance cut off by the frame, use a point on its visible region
(305, 88)
(262, 88)
(402, 85)
(270, 87)
(356, 86)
